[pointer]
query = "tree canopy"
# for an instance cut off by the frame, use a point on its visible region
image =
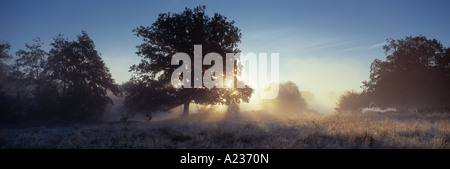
(150, 89)
(77, 80)
(32, 61)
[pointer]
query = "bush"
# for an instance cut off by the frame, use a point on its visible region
(352, 102)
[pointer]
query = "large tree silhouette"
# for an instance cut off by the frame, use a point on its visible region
(151, 90)
(416, 74)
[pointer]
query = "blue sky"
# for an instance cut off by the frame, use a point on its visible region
(325, 47)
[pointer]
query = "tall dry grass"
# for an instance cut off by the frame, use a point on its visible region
(246, 130)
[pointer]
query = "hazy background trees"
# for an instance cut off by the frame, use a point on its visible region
(150, 89)
(289, 100)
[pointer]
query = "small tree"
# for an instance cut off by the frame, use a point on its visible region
(289, 100)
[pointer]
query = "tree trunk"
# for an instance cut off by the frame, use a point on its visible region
(186, 109)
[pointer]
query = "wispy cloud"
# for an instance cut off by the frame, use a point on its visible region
(299, 42)
(338, 43)
(378, 45)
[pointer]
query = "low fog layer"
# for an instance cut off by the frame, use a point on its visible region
(290, 102)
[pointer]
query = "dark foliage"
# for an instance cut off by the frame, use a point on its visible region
(76, 81)
(69, 83)
(416, 74)
(151, 91)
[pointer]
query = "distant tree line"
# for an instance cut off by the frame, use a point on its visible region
(415, 75)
